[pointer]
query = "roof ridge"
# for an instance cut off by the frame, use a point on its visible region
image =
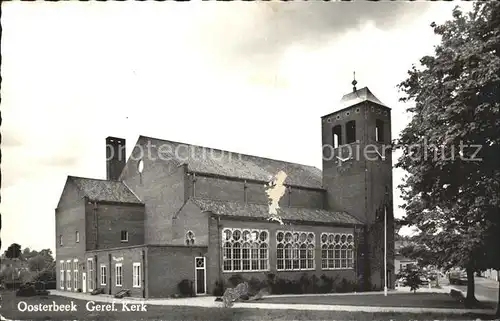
(254, 203)
(227, 151)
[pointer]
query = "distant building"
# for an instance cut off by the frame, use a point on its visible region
(400, 261)
(189, 212)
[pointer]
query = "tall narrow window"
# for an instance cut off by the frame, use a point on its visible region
(136, 275)
(77, 237)
(351, 132)
(379, 131)
(91, 274)
(76, 277)
(104, 274)
(124, 236)
(60, 240)
(337, 136)
(118, 274)
(61, 275)
(68, 275)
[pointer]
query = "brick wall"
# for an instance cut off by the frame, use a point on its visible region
(107, 220)
(190, 218)
(160, 186)
(169, 265)
(69, 218)
(214, 262)
(109, 259)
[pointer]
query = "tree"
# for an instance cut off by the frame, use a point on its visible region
(42, 260)
(13, 251)
(412, 277)
(451, 144)
(28, 253)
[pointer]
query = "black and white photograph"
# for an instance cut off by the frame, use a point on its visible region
(250, 160)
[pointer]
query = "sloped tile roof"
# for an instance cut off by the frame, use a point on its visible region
(240, 209)
(358, 96)
(103, 190)
(231, 164)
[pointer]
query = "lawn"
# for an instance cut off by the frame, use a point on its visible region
(9, 310)
(413, 300)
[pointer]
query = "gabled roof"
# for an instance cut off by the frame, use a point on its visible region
(261, 211)
(231, 164)
(103, 190)
(358, 96)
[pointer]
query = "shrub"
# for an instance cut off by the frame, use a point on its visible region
(255, 285)
(186, 287)
(26, 290)
(236, 279)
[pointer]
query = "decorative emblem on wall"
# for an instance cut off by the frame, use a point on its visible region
(117, 259)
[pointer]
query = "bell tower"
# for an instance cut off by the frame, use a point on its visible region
(357, 175)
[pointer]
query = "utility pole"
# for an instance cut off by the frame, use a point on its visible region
(385, 250)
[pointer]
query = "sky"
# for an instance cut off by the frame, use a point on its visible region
(221, 75)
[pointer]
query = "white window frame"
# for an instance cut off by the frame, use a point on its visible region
(91, 274)
(257, 250)
(294, 247)
(103, 276)
(136, 277)
(62, 273)
(118, 265)
(68, 275)
(124, 240)
(75, 274)
(335, 252)
(77, 237)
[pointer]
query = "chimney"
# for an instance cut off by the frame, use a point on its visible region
(115, 157)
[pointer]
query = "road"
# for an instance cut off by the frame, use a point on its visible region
(485, 289)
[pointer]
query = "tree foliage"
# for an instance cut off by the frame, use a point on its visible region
(13, 251)
(412, 277)
(451, 145)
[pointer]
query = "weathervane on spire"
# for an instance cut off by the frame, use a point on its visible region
(354, 82)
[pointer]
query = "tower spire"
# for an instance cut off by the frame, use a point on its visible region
(354, 82)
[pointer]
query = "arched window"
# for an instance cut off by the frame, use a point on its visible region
(350, 132)
(245, 250)
(295, 250)
(337, 136)
(337, 251)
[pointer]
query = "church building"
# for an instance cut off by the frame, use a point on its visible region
(175, 211)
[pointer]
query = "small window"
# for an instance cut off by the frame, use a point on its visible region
(60, 240)
(118, 274)
(136, 275)
(337, 136)
(124, 236)
(351, 132)
(379, 130)
(77, 236)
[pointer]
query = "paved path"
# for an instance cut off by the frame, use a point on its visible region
(209, 302)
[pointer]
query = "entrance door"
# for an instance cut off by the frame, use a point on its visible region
(200, 274)
(84, 282)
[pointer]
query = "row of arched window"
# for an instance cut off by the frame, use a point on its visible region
(337, 251)
(248, 250)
